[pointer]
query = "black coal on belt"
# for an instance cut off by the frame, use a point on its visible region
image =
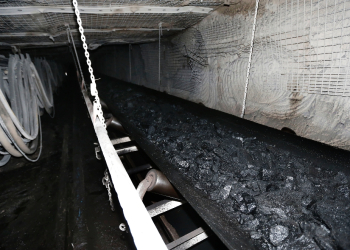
(283, 201)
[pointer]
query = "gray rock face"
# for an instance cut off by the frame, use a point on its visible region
(278, 234)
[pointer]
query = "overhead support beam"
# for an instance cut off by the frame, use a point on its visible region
(30, 10)
(55, 44)
(26, 34)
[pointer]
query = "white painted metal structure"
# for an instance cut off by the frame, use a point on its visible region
(142, 228)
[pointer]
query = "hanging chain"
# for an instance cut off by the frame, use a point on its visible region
(250, 59)
(97, 109)
(107, 183)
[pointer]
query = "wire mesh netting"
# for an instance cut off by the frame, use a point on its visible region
(170, 3)
(299, 46)
(54, 24)
(189, 61)
(310, 42)
(98, 28)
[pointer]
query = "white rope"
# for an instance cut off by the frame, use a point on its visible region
(71, 40)
(97, 109)
(250, 59)
(160, 34)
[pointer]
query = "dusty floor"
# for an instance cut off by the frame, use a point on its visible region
(285, 192)
(59, 202)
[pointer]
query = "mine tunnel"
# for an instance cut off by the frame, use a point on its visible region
(199, 124)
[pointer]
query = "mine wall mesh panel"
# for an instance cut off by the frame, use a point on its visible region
(98, 21)
(137, 65)
(25, 23)
(305, 46)
(170, 3)
(47, 22)
(228, 37)
(183, 63)
(150, 54)
(177, 68)
(55, 22)
(288, 55)
(299, 46)
(185, 60)
(91, 38)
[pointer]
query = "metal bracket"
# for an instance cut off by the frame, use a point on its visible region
(162, 207)
(98, 153)
(188, 240)
(120, 140)
(127, 150)
(121, 151)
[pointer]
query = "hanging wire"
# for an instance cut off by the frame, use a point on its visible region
(160, 35)
(250, 60)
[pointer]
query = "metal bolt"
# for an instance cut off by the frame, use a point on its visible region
(122, 227)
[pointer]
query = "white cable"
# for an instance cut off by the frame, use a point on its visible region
(160, 34)
(70, 39)
(97, 108)
(21, 132)
(250, 59)
(8, 134)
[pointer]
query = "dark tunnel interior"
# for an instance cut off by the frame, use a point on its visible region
(201, 125)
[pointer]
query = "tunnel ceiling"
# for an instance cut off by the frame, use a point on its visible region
(44, 22)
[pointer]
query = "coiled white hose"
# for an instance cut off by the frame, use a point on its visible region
(26, 90)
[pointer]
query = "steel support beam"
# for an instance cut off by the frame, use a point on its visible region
(162, 207)
(188, 240)
(24, 34)
(30, 10)
(120, 140)
(55, 44)
(127, 150)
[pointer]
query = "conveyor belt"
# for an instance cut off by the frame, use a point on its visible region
(293, 171)
(59, 202)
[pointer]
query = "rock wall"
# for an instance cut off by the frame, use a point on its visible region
(299, 75)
